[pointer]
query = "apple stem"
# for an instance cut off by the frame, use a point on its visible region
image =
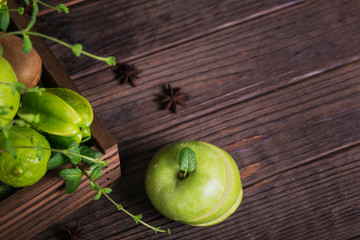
(182, 174)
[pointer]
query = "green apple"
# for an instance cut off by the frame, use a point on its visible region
(204, 197)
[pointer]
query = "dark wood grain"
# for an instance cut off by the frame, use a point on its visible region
(243, 72)
(271, 136)
(130, 29)
(275, 83)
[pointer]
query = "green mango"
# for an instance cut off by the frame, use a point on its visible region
(60, 112)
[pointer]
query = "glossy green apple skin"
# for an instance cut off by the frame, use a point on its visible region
(205, 197)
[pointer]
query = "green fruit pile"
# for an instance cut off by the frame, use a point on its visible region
(56, 117)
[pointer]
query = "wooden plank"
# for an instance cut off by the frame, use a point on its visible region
(314, 110)
(142, 27)
(278, 141)
(315, 201)
(228, 67)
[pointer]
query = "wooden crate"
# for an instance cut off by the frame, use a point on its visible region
(33, 209)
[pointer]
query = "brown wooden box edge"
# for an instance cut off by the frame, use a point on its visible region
(33, 209)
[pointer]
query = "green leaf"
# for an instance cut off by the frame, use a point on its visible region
(27, 44)
(105, 162)
(137, 218)
(96, 170)
(71, 174)
(111, 61)
(187, 160)
(97, 196)
(4, 18)
(107, 190)
(56, 160)
(73, 152)
(72, 185)
(77, 49)
(17, 87)
(86, 151)
(21, 10)
(33, 17)
(27, 2)
(94, 186)
(62, 8)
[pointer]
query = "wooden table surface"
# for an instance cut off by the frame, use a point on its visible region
(276, 83)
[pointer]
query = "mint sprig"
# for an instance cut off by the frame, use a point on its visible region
(77, 48)
(187, 161)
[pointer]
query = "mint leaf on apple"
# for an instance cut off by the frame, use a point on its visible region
(187, 161)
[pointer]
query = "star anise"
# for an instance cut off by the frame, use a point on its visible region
(172, 97)
(74, 234)
(127, 73)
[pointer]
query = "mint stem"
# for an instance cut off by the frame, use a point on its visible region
(63, 151)
(119, 206)
(47, 5)
(26, 32)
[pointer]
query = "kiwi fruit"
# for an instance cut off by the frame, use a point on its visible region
(27, 67)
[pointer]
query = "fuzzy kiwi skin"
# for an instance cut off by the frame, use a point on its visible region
(27, 67)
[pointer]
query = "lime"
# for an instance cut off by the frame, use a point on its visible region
(9, 101)
(31, 162)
